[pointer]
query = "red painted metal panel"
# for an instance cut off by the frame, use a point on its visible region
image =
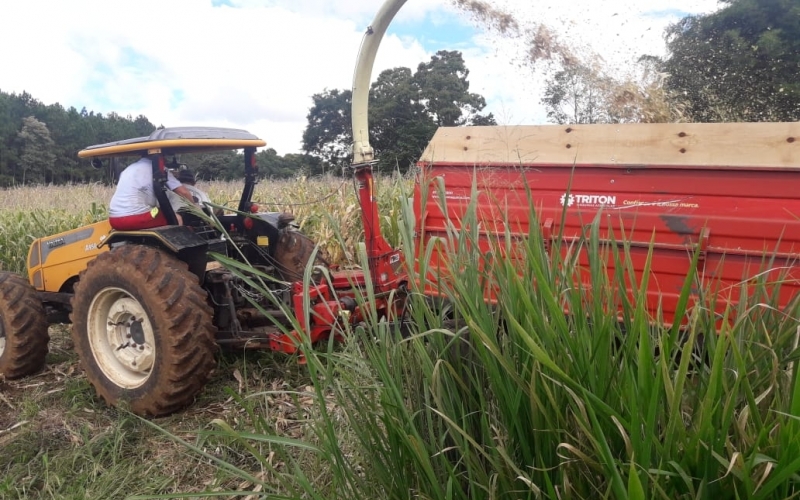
(733, 216)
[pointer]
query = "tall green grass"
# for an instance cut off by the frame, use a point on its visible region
(516, 399)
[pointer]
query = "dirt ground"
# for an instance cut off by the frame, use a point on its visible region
(59, 440)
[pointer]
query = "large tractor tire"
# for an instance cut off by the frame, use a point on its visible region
(23, 328)
(143, 330)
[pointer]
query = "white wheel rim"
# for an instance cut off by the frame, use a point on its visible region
(121, 338)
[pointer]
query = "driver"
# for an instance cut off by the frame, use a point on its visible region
(188, 179)
(134, 204)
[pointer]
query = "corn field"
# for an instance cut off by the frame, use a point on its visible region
(321, 207)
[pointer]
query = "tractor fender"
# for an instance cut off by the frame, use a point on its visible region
(180, 241)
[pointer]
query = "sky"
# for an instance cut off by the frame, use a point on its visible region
(255, 64)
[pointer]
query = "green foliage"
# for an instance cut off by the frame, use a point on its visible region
(329, 134)
(404, 111)
(739, 63)
(401, 124)
(39, 145)
(574, 95)
(37, 156)
(222, 165)
(229, 165)
(444, 87)
(270, 164)
(507, 400)
(516, 399)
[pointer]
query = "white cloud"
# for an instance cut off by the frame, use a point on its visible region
(256, 65)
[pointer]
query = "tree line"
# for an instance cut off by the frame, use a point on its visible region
(39, 145)
(39, 142)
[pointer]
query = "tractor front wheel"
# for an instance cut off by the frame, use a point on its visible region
(23, 328)
(143, 330)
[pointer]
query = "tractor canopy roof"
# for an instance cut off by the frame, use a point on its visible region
(177, 140)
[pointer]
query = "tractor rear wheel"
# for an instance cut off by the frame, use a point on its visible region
(143, 330)
(23, 328)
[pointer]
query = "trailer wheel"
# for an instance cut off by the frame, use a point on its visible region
(143, 330)
(23, 328)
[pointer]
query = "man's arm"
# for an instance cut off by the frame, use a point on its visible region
(182, 191)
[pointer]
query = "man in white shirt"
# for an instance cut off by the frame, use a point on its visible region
(134, 204)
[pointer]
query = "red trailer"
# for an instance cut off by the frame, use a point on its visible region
(727, 191)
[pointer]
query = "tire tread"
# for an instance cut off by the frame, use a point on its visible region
(185, 357)
(26, 326)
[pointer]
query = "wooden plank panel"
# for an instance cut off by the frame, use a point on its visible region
(716, 145)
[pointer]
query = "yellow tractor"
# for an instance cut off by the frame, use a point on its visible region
(149, 308)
